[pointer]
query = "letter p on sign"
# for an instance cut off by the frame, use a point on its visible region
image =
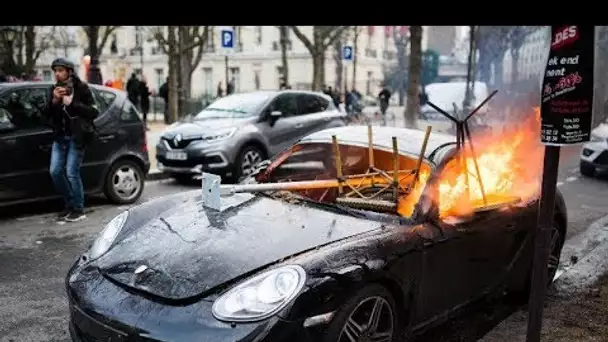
(227, 39)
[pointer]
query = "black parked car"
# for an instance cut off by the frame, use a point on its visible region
(299, 266)
(115, 164)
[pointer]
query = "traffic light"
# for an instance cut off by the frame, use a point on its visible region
(430, 66)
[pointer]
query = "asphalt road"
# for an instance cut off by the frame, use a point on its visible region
(36, 252)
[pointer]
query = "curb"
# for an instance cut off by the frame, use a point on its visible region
(155, 174)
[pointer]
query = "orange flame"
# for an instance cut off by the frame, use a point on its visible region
(510, 165)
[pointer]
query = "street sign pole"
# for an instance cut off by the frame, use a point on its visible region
(567, 97)
(347, 57)
(227, 39)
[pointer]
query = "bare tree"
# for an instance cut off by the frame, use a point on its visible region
(30, 42)
(517, 38)
(62, 41)
(492, 42)
(401, 38)
(414, 76)
(339, 63)
(284, 41)
(356, 33)
(184, 46)
(322, 38)
(97, 37)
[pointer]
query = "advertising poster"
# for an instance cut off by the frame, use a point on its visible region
(567, 91)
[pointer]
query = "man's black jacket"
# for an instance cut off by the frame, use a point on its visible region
(75, 120)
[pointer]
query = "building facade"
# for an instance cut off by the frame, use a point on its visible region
(532, 58)
(254, 64)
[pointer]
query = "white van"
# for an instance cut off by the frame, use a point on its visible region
(444, 95)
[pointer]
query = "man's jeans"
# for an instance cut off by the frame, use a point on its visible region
(65, 172)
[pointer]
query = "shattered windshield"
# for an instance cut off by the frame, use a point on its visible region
(311, 171)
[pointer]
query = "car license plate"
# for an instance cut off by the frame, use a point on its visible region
(176, 155)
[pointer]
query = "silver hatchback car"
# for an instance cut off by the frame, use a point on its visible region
(236, 132)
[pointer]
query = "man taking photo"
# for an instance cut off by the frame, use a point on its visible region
(70, 113)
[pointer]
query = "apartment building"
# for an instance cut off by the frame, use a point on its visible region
(532, 57)
(255, 63)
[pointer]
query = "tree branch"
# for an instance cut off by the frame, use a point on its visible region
(307, 43)
(199, 52)
(106, 35)
(334, 34)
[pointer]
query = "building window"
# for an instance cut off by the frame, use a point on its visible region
(235, 75)
(210, 41)
(279, 76)
(368, 83)
(47, 75)
(238, 43)
(160, 77)
(258, 35)
(138, 36)
(256, 79)
(208, 79)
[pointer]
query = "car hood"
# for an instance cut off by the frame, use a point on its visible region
(190, 250)
(200, 127)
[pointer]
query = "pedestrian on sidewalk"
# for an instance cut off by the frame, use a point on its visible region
(133, 89)
(70, 113)
(163, 92)
(144, 100)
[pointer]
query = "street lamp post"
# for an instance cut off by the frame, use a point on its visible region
(8, 34)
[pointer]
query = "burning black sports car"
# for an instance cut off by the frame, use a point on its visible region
(344, 237)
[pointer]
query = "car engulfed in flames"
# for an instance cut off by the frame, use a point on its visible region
(492, 170)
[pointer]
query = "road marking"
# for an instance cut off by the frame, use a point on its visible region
(571, 179)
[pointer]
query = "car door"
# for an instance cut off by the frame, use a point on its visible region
(285, 130)
(465, 262)
(26, 148)
(318, 112)
(105, 142)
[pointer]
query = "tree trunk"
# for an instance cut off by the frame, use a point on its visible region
(484, 67)
(498, 73)
(414, 71)
(30, 49)
(600, 70)
(339, 67)
(318, 71)
(173, 75)
(94, 76)
(514, 65)
(355, 51)
(181, 62)
(284, 63)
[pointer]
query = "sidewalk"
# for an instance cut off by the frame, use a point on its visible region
(577, 305)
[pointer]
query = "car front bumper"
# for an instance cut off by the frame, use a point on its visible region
(200, 156)
(101, 310)
(595, 153)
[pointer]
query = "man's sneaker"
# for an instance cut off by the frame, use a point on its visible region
(75, 216)
(63, 214)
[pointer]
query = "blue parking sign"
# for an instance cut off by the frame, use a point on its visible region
(227, 39)
(347, 53)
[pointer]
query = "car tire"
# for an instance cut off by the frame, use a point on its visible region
(351, 316)
(556, 250)
(587, 169)
(248, 155)
(125, 182)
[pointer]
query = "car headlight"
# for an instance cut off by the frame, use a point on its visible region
(261, 296)
(107, 236)
(220, 134)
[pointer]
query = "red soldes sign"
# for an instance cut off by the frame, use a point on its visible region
(567, 92)
(564, 36)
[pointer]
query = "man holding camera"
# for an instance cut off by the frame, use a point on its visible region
(70, 113)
